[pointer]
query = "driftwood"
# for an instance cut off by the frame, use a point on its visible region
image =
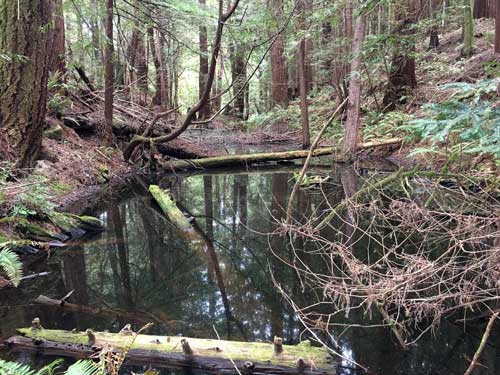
(214, 356)
(247, 159)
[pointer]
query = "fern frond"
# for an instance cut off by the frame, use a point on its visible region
(49, 369)
(14, 368)
(11, 266)
(85, 367)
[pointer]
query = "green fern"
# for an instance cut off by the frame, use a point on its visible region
(50, 368)
(85, 367)
(11, 266)
(82, 367)
(13, 368)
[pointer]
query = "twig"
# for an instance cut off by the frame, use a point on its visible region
(482, 344)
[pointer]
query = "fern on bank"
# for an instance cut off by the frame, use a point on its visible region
(11, 266)
(468, 119)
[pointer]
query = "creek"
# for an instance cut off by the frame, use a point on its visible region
(140, 263)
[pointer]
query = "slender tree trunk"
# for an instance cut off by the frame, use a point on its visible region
(108, 75)
(217, 102)
(160, 97)
(303, 81)
(279, 69)
(57, 58)
(497, 27)
(239, 76)
(203, 76)
(141, 67)
(468, 32)
(352, 125)
(24, 37)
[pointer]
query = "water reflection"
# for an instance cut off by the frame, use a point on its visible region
(142, 264)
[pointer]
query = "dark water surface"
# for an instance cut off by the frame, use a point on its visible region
(140, 263)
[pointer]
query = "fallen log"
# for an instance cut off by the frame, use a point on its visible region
(247, 159)
(213, 356)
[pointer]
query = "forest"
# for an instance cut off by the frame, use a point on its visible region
(249, 187)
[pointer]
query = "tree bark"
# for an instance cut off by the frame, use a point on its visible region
(468, 30)
(108, 75)
(497, 27)
(204, 111)
(483, 9)
(279, 69)
(352, 125)
(24, 38)
(57, 58)
(239, 77)
(303, 81)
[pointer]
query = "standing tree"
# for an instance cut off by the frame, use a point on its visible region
(468, 30)
(279, 69)
(108, 75)
(203, 76)
(303, 79)
(57, 59)
(352, 124)
(497, 28)
(24, 65)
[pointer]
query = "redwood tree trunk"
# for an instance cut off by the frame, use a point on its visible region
(24, 38)
(160, 97)
(279, 70)
(57, 58)
(352, 124)
(302, 69)
(108, 75)
(484, 8)
(205, 109)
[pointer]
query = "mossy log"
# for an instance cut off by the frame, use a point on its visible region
(247, 159)
(215, 356)
(170, 209)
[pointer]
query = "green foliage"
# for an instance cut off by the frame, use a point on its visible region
(34, 198)
(474, 122)
(385, 125)
(60, 187)
(11, 266)
(85, 367)
(492, 68)
(82, 367)
(8, 368)
(266, 120)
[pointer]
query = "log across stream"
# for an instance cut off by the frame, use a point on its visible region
(215, 356)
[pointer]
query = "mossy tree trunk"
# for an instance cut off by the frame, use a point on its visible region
(468, 30)
(24, 63)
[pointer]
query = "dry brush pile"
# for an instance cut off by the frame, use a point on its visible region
(405, 255)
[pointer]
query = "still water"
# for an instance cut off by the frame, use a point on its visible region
(140, 264)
